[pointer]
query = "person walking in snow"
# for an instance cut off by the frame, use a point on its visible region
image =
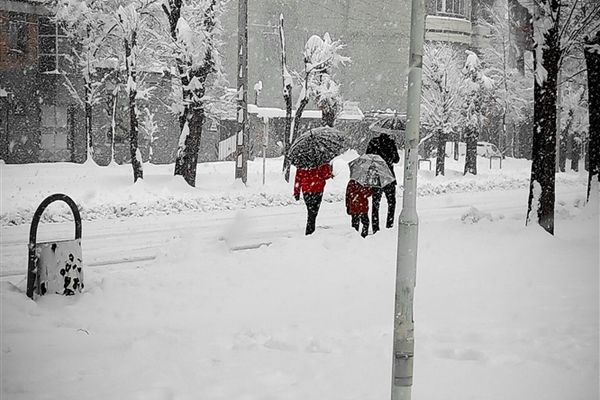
(384, 146)
(311, 183)
(357, 205)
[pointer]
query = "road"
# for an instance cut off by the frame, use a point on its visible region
(135, 241)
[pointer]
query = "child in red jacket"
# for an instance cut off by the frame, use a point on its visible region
(311, 182)
(357, 205)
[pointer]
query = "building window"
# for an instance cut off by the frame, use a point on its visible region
(54, 116)
(17, 33)
(453, 8)
(53, 45)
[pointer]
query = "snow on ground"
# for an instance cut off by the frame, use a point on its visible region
(502, 311)
(107, 192)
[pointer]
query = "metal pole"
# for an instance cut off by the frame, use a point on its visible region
(408, 221)
(264, 147)
(241, 153)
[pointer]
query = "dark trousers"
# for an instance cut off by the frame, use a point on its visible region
(313, 203)
(390, 196)
(357, 219)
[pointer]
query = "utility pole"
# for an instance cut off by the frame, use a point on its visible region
(241, 153)
(408, 221)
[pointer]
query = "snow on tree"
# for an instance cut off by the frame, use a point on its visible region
(321, 57)
(87, 24)
(111, 102)
(476, 92)
(573, 111)
(514, 89)
(134, 29)
(194, 29)
(150, 129)
(441, 96)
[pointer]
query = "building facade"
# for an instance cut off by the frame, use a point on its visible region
(39, 119)
(376, 34)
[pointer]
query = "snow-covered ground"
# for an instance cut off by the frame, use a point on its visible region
(107, 192)
(502, 311)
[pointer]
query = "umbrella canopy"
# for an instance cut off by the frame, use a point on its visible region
(316, 147)
(391, 125)
(371, 170)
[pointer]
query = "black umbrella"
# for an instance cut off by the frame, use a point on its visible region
(316, 147)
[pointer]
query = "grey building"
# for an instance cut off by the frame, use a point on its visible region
(375, 32)
(39, 119)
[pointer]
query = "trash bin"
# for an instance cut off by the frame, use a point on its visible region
(56, 266)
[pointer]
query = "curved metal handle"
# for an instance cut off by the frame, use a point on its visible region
(31, 268)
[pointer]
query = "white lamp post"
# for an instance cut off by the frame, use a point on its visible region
(408, 222)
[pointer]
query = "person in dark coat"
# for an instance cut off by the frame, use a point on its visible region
(311, 183)
(385, 147)
(357, 205)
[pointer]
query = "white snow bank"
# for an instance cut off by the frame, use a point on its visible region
(109, 192)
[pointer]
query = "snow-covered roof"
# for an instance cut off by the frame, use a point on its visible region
(351, 111)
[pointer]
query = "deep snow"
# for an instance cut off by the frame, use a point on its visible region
(108, 192)
(502, 311)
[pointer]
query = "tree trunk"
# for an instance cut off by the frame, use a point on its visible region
(592, 58)
(562, 153)
(88, 123)
(287, 96)
(456, 152)
(503, 137)
(328, 115)
(136, 164)
(187, 161)
(516, 145)
(569, 146)
(113, 126)
(138, 172)
(192, 118)
(441, 155)
(297, 118)
(294, 136)
(471, 153)
(544, 130)
(575, 152)
(586, 157)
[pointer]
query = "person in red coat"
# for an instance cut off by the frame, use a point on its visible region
(311, 183)
(357, 205)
